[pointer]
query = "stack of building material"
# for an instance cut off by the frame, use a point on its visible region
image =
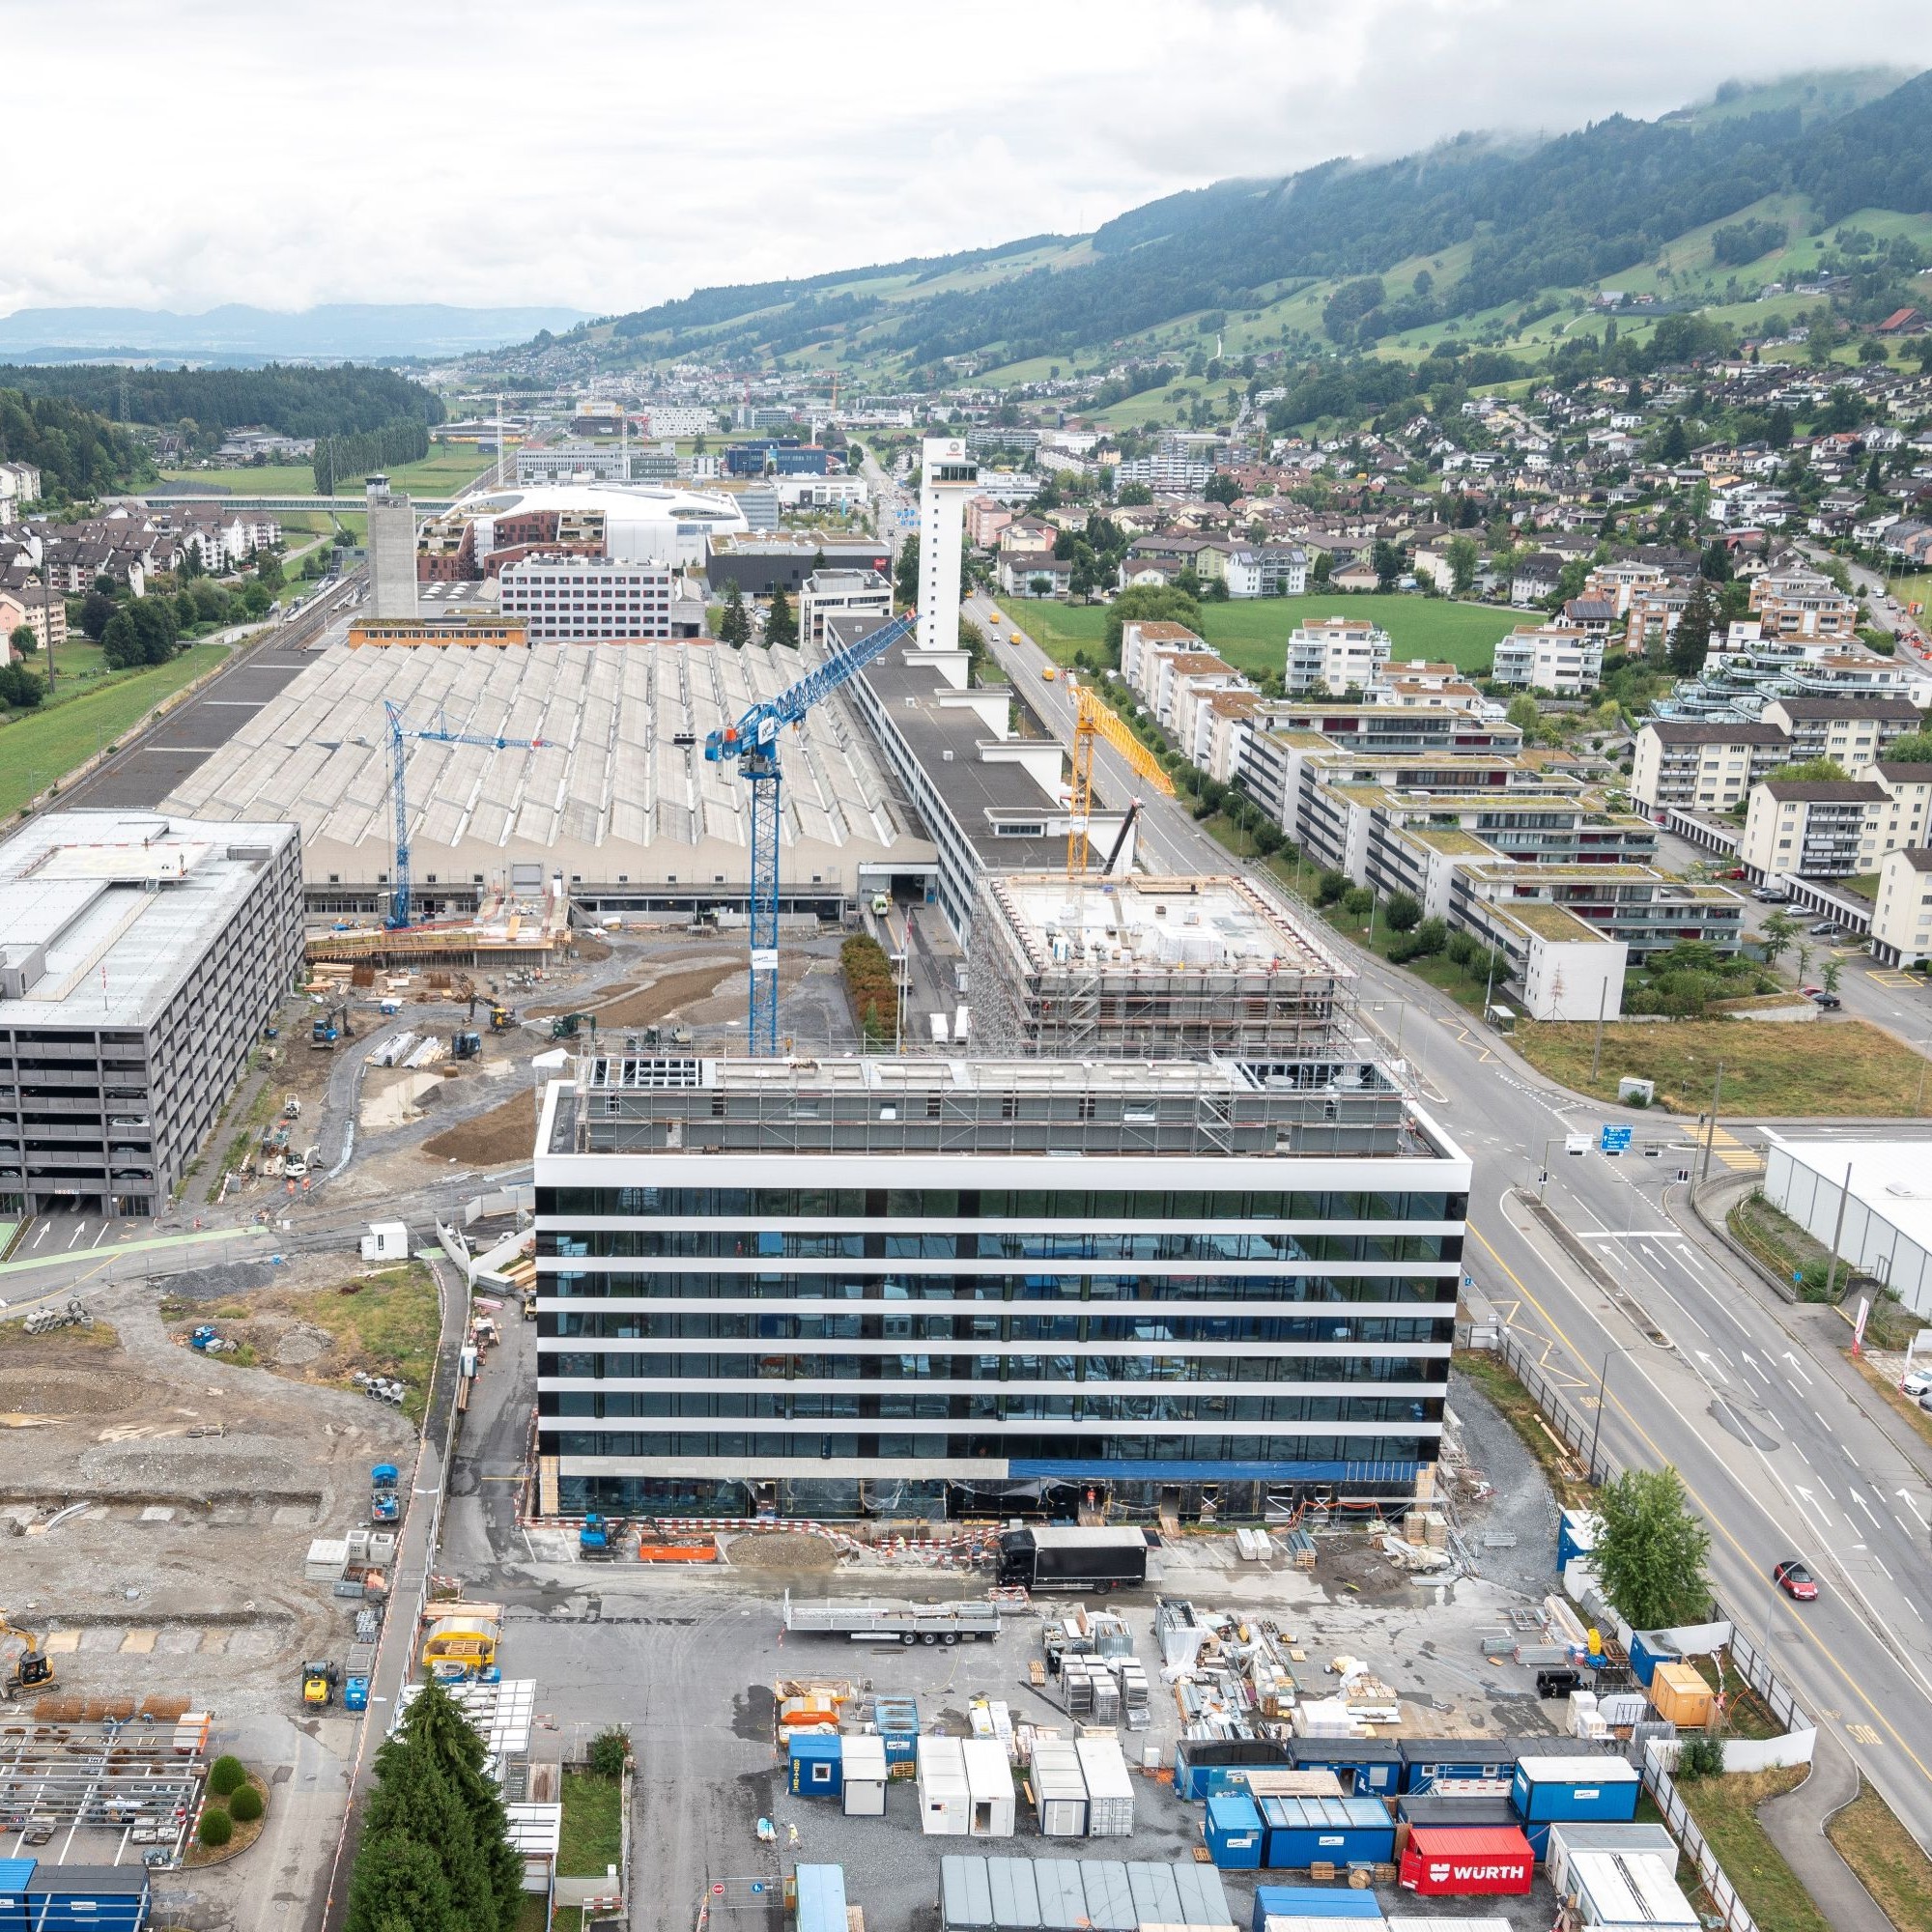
(1327, 1718)
(1132, 1680)
(1110, 1788)
(1254, 1545)
(1182, 1631)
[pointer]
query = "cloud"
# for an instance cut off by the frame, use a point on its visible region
(611, 154)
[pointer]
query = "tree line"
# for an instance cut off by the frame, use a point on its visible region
(205, 404)
(348, 459)
(78, 452)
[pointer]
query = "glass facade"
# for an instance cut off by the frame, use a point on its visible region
(729, 1348)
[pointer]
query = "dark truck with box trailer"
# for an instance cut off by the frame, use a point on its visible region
(1063, 1556)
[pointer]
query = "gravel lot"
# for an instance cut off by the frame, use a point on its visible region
(689, 1662)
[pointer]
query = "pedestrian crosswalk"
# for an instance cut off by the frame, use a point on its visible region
(1725, 1147)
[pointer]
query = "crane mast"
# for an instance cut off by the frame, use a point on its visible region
(752, 745)
(400, 734)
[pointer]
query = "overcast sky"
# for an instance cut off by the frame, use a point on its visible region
(607, 153)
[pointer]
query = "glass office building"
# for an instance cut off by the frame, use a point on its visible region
(913, 1286)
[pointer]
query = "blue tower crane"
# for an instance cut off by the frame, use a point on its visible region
(399, 758)
(754, 743)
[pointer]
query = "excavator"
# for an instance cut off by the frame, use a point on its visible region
(33, 1669)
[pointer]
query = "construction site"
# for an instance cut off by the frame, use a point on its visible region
(1137, 967)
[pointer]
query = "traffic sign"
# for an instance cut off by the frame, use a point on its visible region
(1613, 1140)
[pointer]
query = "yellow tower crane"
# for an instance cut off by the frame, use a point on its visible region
(1096, 720)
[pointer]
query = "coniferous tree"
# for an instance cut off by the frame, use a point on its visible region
(781, 625)
(734, 628)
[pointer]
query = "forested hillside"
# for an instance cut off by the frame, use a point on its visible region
(1517, 220)
(303, 402)
(78, 453)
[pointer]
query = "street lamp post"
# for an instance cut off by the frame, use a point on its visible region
(1603, 1399)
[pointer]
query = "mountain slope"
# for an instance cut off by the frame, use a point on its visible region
(1383, 249)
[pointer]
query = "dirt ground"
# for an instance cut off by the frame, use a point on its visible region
(203, 1483)
(490, 1139)
(320, 1319)
(787, 1550)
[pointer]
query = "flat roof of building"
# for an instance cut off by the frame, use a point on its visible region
(945, 735)
(1214, 924)
(618, 762)
(103, 914)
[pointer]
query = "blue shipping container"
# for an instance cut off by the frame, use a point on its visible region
(62, 1898)
(1342, 1830)
(1233, 1831)
(897, 1719)
(1647, 1651)
(1555, 1790)
(1427, 1762)
(1201, 1764)
(1576, 1536)
(817, 1765)
(1310, 1901)
(1364, 1765)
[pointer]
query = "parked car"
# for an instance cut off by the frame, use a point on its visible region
(1830, 1002)
(1810, 992)
(1825, 929)
(1795, 1581)
(1917, 1381)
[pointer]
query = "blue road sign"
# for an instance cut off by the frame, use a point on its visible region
(1613, 1140)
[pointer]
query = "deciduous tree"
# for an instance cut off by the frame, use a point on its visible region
(1651, 1551)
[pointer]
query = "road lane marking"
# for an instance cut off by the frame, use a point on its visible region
(1722, 1528)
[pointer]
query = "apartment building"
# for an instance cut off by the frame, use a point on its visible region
(1836, 828)
(1790, 600)
(587, 600)
(1901, 927)
(43, 614)
(1549, 657)
(1854, 731)
(140, 957)
(909, 1286)
(1708, 767)
(1335, 654)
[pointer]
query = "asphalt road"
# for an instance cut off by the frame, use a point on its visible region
(1785, 1449)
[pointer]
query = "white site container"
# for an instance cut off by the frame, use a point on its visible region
(1110, 1788)
(944, 1798)
(989, 1787)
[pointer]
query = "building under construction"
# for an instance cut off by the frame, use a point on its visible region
(1149, 968)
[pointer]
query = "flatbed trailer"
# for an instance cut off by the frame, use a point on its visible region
(893, 1623)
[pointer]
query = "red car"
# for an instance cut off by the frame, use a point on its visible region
(1795, 1581)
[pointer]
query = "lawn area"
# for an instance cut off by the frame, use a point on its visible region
(444, 471)
(593, 1825)
(1725, 1809)
(1887, 1858)
(37, 748)
(1252, 634)
(1865, 885)
(1771, 1069)
(1436, 969)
